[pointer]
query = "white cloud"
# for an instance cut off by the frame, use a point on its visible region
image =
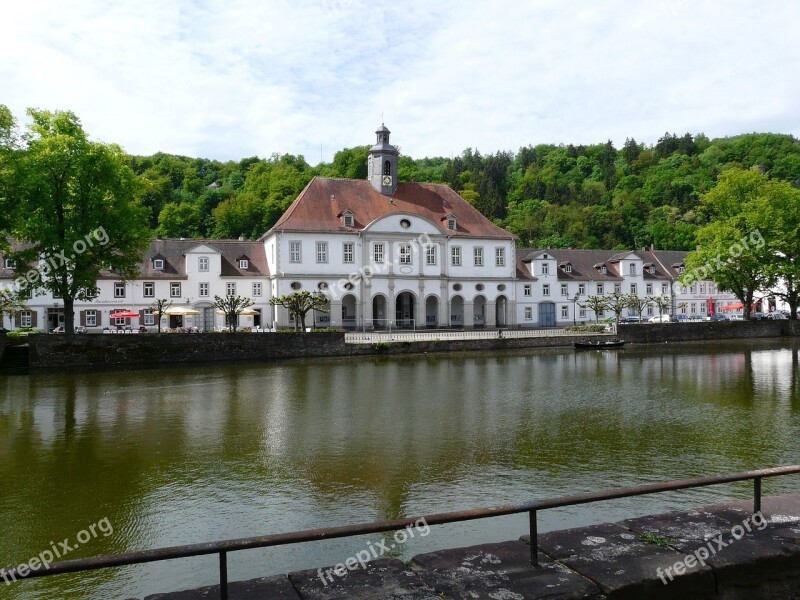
(229, 79)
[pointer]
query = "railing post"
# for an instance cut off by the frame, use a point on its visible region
(534, 531)
(756, 495)
(223, 575)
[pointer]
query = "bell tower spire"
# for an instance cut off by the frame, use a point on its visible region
(382, 163)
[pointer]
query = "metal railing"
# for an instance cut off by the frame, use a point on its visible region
(362, 337)
(222, 548)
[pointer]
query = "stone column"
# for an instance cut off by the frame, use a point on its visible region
(469, 315)
(366, 305)
(335, 314)
(420, 310)
(489, 314)
(444, 305)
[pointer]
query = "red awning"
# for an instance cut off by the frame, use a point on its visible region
(125, 314)
(734, 306)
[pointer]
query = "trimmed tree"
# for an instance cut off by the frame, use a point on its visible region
(10, 304)
(300, 304)
(616, 302)
(596, 304)
(158, 308)
(232, 306)
(638, 304)
(662, 303)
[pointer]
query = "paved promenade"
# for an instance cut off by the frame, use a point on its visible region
(714, 552)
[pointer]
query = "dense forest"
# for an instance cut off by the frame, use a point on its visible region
(593, 196)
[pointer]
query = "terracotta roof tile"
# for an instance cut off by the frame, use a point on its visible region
(319, 204)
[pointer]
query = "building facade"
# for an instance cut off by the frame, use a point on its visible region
(386, 255)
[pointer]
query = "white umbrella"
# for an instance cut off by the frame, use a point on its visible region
(181, 310)
(248, 312)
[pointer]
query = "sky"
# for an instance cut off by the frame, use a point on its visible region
(231, 79)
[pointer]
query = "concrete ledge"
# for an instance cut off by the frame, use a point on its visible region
(654, 557)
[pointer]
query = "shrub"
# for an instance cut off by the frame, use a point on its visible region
(595, 328)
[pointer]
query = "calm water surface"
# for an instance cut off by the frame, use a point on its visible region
(191, 455)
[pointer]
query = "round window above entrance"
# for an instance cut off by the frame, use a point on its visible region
(322, 285)
(501, 287)
(457, 287)
(296, 285)
(348, 286)
(479, 287)
(405, 223)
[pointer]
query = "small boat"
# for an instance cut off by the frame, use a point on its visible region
(599, 345)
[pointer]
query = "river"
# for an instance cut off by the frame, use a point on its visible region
(173, 456)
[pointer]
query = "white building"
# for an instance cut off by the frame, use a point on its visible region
(387, 254)
(392, 254)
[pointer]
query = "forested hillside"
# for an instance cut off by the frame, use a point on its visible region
(594, 196)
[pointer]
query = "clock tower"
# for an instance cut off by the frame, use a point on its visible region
(382, 163)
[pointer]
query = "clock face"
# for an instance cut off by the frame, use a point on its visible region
(387, 180)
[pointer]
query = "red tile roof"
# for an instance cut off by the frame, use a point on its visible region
(317, 207)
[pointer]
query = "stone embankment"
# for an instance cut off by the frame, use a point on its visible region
(720, 552)
(60, 352)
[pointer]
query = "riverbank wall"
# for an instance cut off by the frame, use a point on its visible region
(61, 352)
(719, 552)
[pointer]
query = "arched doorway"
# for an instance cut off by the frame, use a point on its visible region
(404, 310)
(500, 308)
(349, 312)
(479, 311)
(456, 311)
(380, 316)
(547, 314)
(431, 311)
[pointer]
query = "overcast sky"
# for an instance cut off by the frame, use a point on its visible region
(231, 79)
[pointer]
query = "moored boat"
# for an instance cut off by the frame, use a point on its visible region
(599, 345)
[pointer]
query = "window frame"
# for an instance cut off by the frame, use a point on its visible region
(148, 289)
(348, 252)
(455, 256)
(175, 285)
(203, 264)
(477, 256)
(295, 251)
(379, 252)
(499, 256)
(90, 314)
(204, 286)
(230, 288)
(120, 289)
(321, 248)
(257, 289)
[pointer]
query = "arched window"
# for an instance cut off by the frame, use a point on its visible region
(387, 167)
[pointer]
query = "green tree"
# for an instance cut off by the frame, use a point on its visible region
(637, 303)
(663, 303)
(616, 302)
(74, 205)
(596, 304)
(10, 303)
(731, 248)
(300, 304)
(159, 308)
(179, 220)
(232, 306)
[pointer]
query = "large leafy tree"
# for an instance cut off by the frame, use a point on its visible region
(74, 203)
(732, 249)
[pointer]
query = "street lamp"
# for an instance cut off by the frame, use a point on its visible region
(574, 315)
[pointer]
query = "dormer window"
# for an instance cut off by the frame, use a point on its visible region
(348, 218)
(652, 269)
(158, 264)
(567, 268)
(681, 269)
(244, 263)
(451, 223)
(603, 269)
(10, 263)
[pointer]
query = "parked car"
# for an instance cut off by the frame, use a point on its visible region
(777, 316)
(80, 329)
(736, 318)
(717, 317)
(661, 319)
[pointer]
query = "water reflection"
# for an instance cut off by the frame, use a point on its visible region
(187, 455)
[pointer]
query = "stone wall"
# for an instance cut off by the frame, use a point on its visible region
(702, 330)
(61, 352)
(2, 347)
